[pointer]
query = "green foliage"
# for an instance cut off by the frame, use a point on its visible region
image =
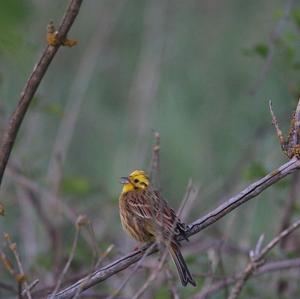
(254, 171)
(13, 13)
(76, 186)
(53, 109)
(296, 17)
(45, 261)
(262, 50)
(162, 293)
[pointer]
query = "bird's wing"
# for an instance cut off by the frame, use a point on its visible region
(149, 204)
(140, 205)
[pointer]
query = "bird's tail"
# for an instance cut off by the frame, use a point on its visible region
(183, 271)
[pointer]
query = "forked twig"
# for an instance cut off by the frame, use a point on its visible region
(291, 144)
(267, 268)
(276, 125)
(20, 277)
(257, 259)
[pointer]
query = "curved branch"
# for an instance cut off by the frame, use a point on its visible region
(34, 80)
(124, 262)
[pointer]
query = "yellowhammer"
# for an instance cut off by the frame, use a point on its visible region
(147, 217)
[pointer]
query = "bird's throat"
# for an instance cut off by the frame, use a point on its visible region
(127, 187)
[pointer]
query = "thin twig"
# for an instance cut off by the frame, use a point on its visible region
(257, 260)
(270, 267)
(100, 259)
(155, 162)
(276, 125)
(123, 284)
(289, 205)
(222, 210)
(248, 193)
(31, 286)
(20, 278)
(189, 198)
(152, 276)
(222, 269)
(67, 266)
(288, 211)
(172, 286)
(39, 191)
(33, 82)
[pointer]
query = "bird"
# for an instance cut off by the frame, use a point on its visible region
(147, 217)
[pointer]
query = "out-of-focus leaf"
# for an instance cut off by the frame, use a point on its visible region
(162, 292)
(254, 171)
(12, 14)
(53, 109)
(262, 50)
(278, 14)
(78, 186)
(45, 261)
(296, 17)
(282, 184)
(296, 65)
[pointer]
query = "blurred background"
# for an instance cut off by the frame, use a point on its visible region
(201, 74)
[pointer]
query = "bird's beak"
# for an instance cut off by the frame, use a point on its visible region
(124, 180)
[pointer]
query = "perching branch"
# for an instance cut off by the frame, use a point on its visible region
(250, 192)
(200, 224)
(34, 80)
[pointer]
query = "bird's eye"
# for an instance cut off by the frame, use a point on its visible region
(136, 180)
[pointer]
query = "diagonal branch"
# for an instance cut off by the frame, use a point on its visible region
(250, 192)
(33, 82)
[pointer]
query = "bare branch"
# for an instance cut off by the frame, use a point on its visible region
(34, 80)
(78, 226)
(31, 286)
(267, 268)
(123, 284)
(250, 192)
(155, 162)
(257, 260)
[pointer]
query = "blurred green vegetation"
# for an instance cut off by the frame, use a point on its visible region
(191, 70)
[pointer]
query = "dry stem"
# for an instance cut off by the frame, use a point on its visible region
(34, 80)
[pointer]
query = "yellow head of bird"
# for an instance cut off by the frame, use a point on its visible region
(137, 180)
